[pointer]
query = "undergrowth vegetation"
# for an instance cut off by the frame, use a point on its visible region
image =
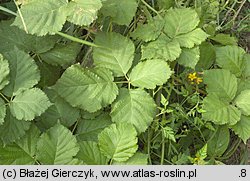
(124, 81)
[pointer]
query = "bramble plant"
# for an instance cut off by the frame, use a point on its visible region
(120, 82)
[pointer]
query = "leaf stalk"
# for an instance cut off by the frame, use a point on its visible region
(72, 38)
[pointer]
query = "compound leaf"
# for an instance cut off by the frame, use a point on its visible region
(116, 53)
(90, 154)
(29, 104)
(88, 89)
(24, 72)
(83, 12)
(118, 141)
(57, 146)
(169, 133)
(42, 17)
(150, 73)
(135, 107)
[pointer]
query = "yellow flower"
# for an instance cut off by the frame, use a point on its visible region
(194, 79)
(192, 76)
(198, 80)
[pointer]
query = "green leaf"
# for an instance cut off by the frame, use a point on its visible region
(231, 58)
(24, 72)
(181, 158)
(68, 114)
(180, 21)
(246, 60)
(42, 17)
(63, 111)
(48, 119)
(57, 146)
(163, 4)
(12, 129)
(150, 31)
(189, 57)
(19, 2)
(4, 72)
(88, 89)
(137, 159)
(225, 39)
(121, 12)
(221, 82)
(83, 12)
(242, 128)
(135, 107)
(169, 133)
(162, 48)
(90, 154)
(90, 116)
(189, 40)
(242, 102)
(88, 129)
(118, 141)
(219, 142)
(116, 53)
(29, 104)
(49, 74)
(150, 73)
(75, 161)
(220, 112)
(61, 54)
(2, 111)
(207, 56)
(23, 151)
(202, 153)
(243, 84)
(11, 36)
